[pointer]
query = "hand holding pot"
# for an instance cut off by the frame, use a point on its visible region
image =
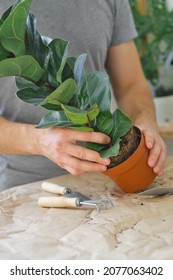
(156, 145)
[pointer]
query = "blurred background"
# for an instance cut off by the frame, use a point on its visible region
(154, 23)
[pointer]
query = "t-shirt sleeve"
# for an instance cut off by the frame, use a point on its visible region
(124, 26)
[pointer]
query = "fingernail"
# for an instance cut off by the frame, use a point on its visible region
(150, 145)
(151, 163)
(103, 168)
(106, 161)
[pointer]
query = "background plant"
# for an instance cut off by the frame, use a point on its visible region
(46, 76)
(155, 29)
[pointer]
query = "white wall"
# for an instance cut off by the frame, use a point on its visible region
(170, 4)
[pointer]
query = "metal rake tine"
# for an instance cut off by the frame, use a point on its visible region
(90, 204)
(105, 201)
(108, 201)
(95, 202)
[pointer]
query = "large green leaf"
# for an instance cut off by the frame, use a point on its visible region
(55, 119)
(79, 69)
(99, 90)
(33, 94)
(25, 66)
(82, 99)
(105, 122)
(112, 151)
(95, 146)
(1, 22)
(35, 45)
(79, 116)
(81, 128)
(23, 83)
(122, 125)
(12, 32)
(59, 119)
(3, 52)
(50, 77)
(6, 14)
(68, 71)
(58, 55)
(62, 94)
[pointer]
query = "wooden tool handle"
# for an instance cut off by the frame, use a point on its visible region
(58, 202)
(54, 188)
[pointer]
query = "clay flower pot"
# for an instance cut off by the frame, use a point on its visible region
(133, 174)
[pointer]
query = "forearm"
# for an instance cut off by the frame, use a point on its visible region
(17, 138)
(129, 84)
(141, 103)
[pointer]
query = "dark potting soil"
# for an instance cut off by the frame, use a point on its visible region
(128, 145)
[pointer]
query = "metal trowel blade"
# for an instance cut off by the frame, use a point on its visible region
(157, 191)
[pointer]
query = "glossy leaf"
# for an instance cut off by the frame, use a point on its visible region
(46, 40)
(34, 42)
(99, 90)
(59, 119)
(112, 151)
(95, 146)
(58, 55)
(105, 122)
(23, 83)
(68, 71)
(79, 69)
(24, 66)
(62, 94)
(3, 52)
(32, 94)
(122, 125)
(6, 14)
(82, 128)
(12, 32)
(82, 98)
(55, 119)
(50, 77)
(79, 116)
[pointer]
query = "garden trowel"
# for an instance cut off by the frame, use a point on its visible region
(68, 198)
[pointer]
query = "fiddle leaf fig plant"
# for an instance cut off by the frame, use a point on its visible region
(46, 76)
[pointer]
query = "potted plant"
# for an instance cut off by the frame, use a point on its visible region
(46, 76)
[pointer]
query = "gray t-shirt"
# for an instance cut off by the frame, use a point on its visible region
(91, 26)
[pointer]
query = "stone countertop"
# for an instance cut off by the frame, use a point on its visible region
(137, 227)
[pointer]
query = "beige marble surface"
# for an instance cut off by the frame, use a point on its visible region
(137, 227)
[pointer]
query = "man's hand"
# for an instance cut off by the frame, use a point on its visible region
(157, 147)
(61, 146)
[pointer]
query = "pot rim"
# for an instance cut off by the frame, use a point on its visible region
(132, 160)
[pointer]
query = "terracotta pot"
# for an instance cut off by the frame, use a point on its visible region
(133, 174)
